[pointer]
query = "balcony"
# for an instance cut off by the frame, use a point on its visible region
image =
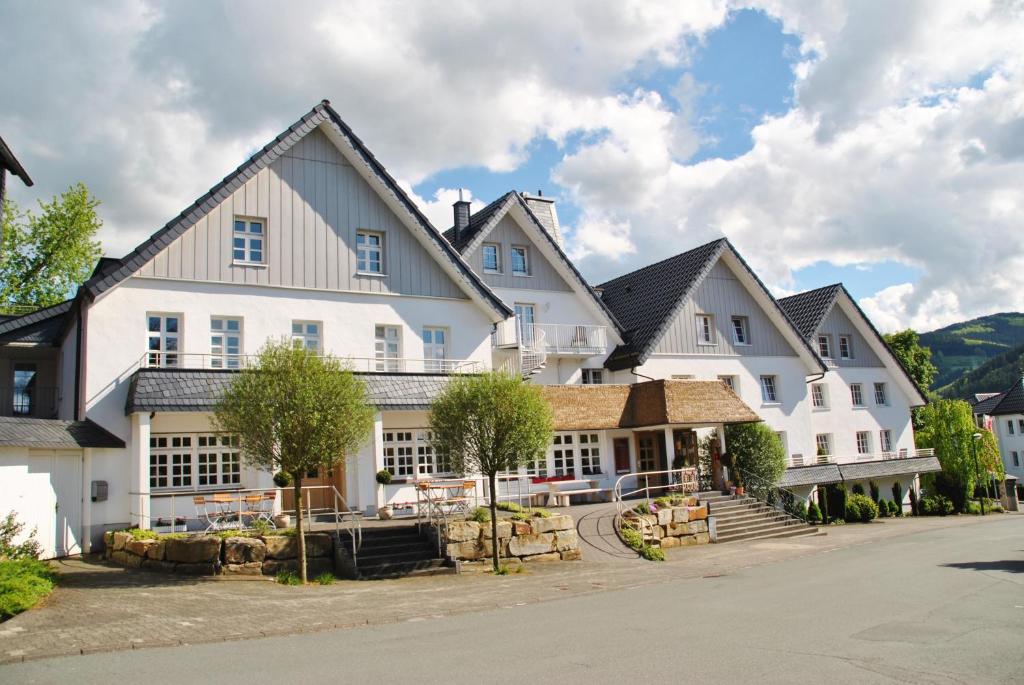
(235, 362)
(583, 340)
(873, 456)
(32, 402)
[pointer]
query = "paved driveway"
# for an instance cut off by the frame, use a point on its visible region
(874, 568)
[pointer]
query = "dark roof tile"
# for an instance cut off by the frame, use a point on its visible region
(807, 310)
(55, 434)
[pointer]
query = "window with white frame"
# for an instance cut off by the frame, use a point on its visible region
(1016, 459)
(164, 332)
(491, 254)
(819, 396)
(248, 240)
(399, 449)
(857, 394)
(435, 349)
(1009, 426)
(428, 463)
(863, 442)
(845, 347)
(592, 376)
(369, 252)
(732, 381)
(590, 454)
(881, 396)
(740, 330)
(825, 347)
(538, 468)
(387, 348)
(885, 439)
(823, 441)
(563, 455)
(225, 342)
(769, 391)
(194, 460)
(705, 329)
(520, 261)
(307, 335)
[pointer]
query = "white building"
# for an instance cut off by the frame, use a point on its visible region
(1003, 414)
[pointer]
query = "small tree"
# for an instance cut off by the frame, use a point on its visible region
(756, 454)
(488, 424)
(295, 412)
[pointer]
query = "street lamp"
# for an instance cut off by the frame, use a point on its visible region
(974, 448)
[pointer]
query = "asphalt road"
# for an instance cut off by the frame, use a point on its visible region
(937, 606)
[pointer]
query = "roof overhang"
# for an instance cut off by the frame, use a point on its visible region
(55, 434)
(827, 474)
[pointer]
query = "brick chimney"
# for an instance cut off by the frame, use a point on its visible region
(544, 208)
(461, 208)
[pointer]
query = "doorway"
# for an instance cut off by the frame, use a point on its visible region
(321, 499)
(650, 456)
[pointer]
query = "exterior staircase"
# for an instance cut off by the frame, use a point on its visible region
(394, 551)
(746, 518)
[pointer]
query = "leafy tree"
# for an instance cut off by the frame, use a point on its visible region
(295, 412)
(756, 455)
(488, 424)
(906, 345)
(948, 427)
(44, 256)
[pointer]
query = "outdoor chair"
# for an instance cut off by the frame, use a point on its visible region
(212, 518)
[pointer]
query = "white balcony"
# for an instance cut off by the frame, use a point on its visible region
(584, 340)
(871, 456)
(235, 362)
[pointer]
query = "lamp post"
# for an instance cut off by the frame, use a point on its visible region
(974, 448)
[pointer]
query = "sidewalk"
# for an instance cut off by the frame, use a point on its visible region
(104, 608)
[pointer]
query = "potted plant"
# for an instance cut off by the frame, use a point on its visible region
(733, 483)
(384, 478)
(282, 480)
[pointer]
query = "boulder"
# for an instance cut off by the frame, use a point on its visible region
(698, 513)
(244, 551)
(552, 523)
(195, 549)
(463, 531)
(702, 538)
(676, 529)
(133, 560)
(108, 540)
(120, 540)
(319, 545)
(197, 569)
(249, 568)
(667, 542)
(120, 557)
(552, 556)
(271, 567)
(139, 547)
(699, 526)
(535, 543)
(158, 566)
(566, 540)
(464, 550)
(571, 555)
(504, 530)
(521, 528)
(281, 546)
(664, 516)
(680, 515)
(487, 549)
(156, 550)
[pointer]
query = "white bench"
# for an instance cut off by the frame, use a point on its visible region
(559, 497)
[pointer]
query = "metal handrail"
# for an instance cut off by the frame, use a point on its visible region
(571, 338)
(236, 362)
(618, 496)
(763, 486)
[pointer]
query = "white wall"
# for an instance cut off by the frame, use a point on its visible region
(1010, 443)
(43, 488)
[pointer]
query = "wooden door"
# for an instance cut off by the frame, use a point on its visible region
(621, 449)
(319, 498)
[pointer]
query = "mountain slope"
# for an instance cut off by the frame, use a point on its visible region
(964, 347)
(995, 375)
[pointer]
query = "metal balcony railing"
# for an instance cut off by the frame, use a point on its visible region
(552, 338)
(234, 362)
(34, 402)
(869, 456)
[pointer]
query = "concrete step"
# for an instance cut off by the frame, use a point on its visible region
(754, 516)
(398, 569)
(751, 526)
(778, 532)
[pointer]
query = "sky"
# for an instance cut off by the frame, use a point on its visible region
(880, 144)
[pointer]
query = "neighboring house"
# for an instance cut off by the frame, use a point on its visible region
(8, 162)
(1003, 414)
(860, 408)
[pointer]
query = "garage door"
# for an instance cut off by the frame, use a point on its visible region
(55, 507)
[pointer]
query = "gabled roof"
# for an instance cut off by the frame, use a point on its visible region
(10, 162)
(477, 222)
(42, 326)
(55, 434)
(646, 300)
(109, 274)
(1010, 401)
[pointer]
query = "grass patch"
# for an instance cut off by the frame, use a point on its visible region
(635, 540)
(480, 515)
(509, 506)
(325, 578)
(503, 570)
(288, 578)
(23, 582)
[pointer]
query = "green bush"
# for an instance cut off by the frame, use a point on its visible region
(480, 515)
(651, 553)
(857, 489)
(541, 513)
(756, 451)
(915, 507)
(895, 510)
(632, 537)
(288, 578)
(875, 494)
(883, 509)
(11, 529)
(897, 496)
(23, 582)
(383, 477)
(936, 505)
(972, 507)
(282, 479)
(813, 513)
(325, 578)
(798, 508)
(508, 506)
(860, 508)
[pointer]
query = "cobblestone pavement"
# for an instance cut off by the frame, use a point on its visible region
(99, 607)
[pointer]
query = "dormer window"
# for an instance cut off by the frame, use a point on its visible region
(492, 258)
(248, 240)
(520, 261)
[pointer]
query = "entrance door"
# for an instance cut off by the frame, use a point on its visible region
(57, 510)
(650, 456)
(525, 319)
(319, 500)
(685, 448)
(621, 448)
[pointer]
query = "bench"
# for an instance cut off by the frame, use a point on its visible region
(559, 497)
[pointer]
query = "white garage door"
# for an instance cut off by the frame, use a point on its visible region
(54, 506)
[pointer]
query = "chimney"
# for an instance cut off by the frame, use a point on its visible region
(461, 216)
(544, 208)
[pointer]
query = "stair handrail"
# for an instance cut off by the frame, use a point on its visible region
(535, 348)
(618, 496)
(772, 494)
(355, 530)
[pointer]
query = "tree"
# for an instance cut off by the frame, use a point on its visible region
(756, 454)
(906, 345)
(488, 424)
(44, 256)
(948, 427)
(295, 412)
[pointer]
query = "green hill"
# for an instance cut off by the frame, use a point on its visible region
(963, 347)
(995, 375)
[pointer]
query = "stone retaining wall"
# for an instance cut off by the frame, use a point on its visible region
(210, 555)
(675, 526)
(469, 544)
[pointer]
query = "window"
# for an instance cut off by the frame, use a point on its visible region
(863, 442)
(824, 347)
(194, 460)
(248, 240)
(768, 391)
(885, 439)
(1020, 424)
(1009, 426)
(520, 261)
(164, 331)
(739, 330)
(563, 456)
(823, 441)
(881, 398)
(857, 394)
(435, 349)
(845, 351)
(731, 381)
(492, 258)
(369, 253)
(592, 376)
(705, 329)
(225, 342)
(819, 396)
(537, 468)
(23, 400)
(398, 453)
(1016, 458)
(525, 320)
(646, 454)
(306, 334)
(590, 454)
(387, 347)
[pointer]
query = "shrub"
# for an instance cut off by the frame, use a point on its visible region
(860, 508)
(11, 529)
(936, 505)
(480, 515)
(288, 578)
(797, 508)
(883, 508)
(857, 489)
(755, 450)
(282, 479)
(501, 570)
(140, 534)
(384, 477)
(915, 509)
(520, 516)
(897, 495)
(663, 502)
(895, 510)
(972, 507)
(325, 578)
(23, 582)
(651, 553)
(542, 513)
(813, 513)
(508, 506)
(875, 494)
(632, 538)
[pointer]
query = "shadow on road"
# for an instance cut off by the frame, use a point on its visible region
(1011, 565)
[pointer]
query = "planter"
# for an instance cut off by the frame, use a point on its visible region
(282, 521)
(740, 490)
(385, 512)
